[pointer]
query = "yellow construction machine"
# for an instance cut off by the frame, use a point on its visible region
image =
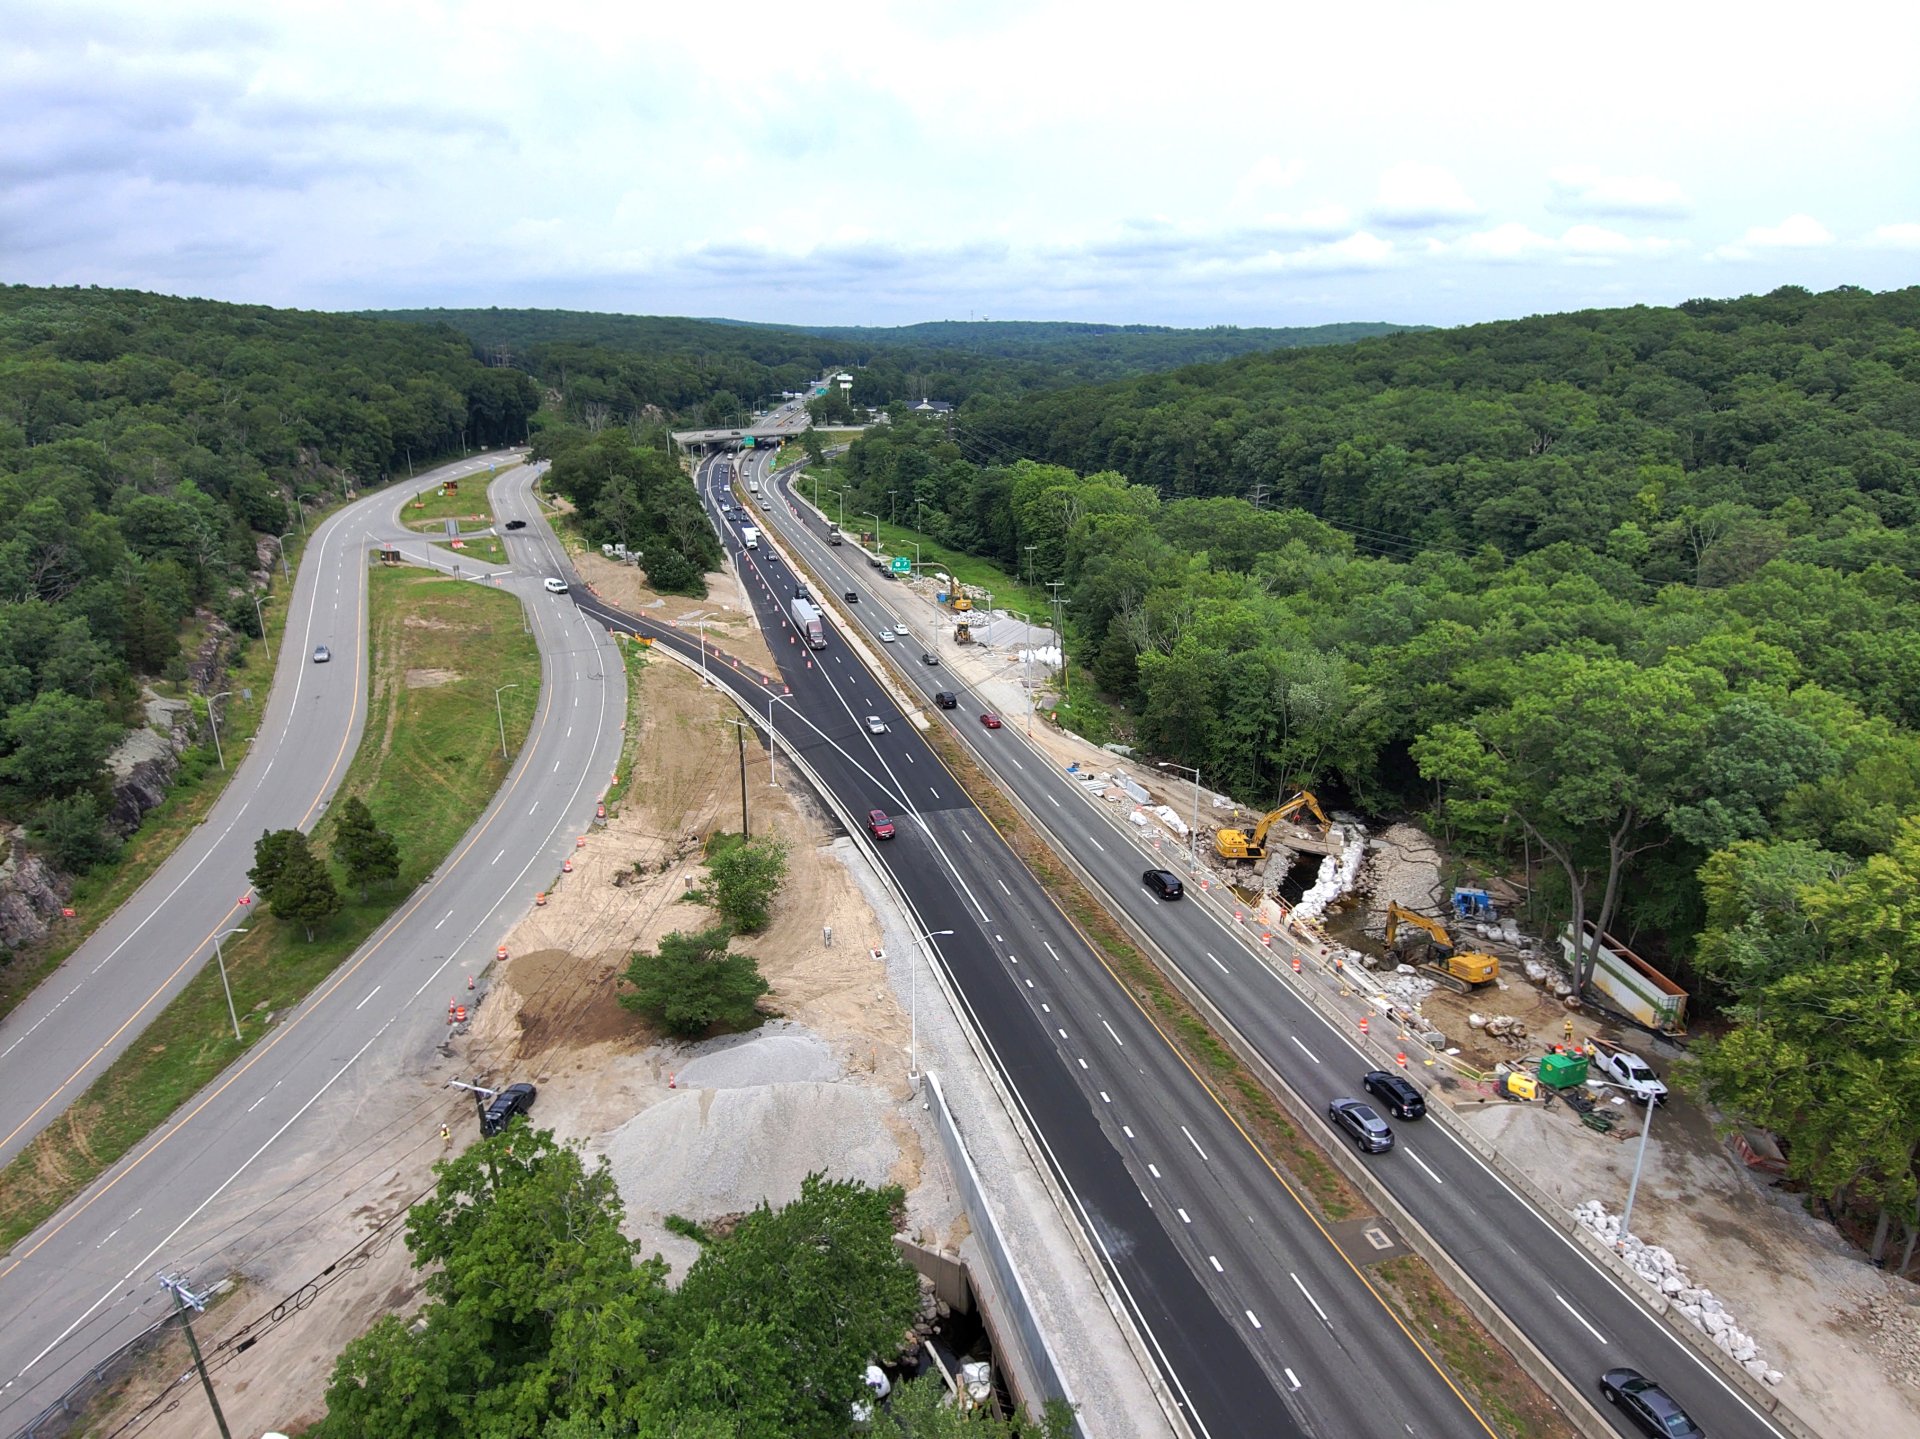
(1462, 972)
(1236, 844)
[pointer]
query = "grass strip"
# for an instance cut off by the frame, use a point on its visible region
(1507, 1399)
(428, 764)
(489, 548)
(431, 507)
(634, 657)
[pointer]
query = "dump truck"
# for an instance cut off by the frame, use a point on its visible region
(1438, 959)
(806, 619)
(1237, 844)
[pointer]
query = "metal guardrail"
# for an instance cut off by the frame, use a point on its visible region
(70, 1408)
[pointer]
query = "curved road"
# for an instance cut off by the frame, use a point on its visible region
(286, 1118)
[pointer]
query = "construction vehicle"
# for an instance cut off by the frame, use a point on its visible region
(1440, 960)
(1235, 844)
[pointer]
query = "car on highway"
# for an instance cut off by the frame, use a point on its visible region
(1360, 1124)
(1648, 1405)
(853, 597)
(876, 725)
(321, 654)
(946, 699)
(514, 1099)
(990, 721)
(886, 637)
(516, 524)
(556, 585)
(929, 658)
(1396, 1092)
(878, 825)
(1163, 882)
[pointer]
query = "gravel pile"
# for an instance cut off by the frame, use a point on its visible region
(1403, 868)
(777, 1053)
(706, 1152)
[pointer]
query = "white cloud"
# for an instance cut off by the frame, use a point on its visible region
(1414, 196)
(1896, 237)
(1582, 190)
(1796, 232)
(1584, 244)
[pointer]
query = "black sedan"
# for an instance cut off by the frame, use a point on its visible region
(1360, 1124)
(1399, 1097)
(1648, 1405)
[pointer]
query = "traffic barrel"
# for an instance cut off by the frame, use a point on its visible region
(1296, 964)
(1363, 1024)
(600, 811)
(566, 866)
(1402, 1057)
(540, 899)
(1266, 937)
(580, 843)
(459, 1014)
(501, 953)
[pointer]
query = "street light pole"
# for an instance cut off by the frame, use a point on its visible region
(1633, 1187)
(740, 728)
(221, 961)
(283, 554)
(704, 679)
(1193, 829)
(501, 715)
(913, 1000)
(213, 720)
(263, 627)
(772, 736)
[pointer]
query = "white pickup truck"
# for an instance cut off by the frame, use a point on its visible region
(1629, 1072)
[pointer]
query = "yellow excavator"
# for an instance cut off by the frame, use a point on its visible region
(1463, 973)
(1237, 844)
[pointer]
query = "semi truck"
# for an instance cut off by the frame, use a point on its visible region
(807, 620)
(750, 536)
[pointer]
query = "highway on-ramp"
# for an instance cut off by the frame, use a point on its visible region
(1571, 1308)
(1256, 1318)
(288, 1120)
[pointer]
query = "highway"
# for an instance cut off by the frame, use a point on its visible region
(1257, 1319)
(1570, 1307)
(289, 1121)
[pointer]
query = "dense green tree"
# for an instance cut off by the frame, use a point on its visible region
(743, 875)
(73, 834)
(270, 853)
(366, 852)
(693, 982)
(303, 890)
(54, 744)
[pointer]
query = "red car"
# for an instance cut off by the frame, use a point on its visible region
(990, 721)
(878, 825)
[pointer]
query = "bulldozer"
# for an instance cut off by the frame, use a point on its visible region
(1236, 844)
(1440, 960)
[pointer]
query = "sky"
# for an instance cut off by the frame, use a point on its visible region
(1190, 163)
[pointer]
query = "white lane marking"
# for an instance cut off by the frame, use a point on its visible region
(1063, 1034)
(1252, 1318)
(1116, 1038)
(1422, 1163)
(1082, 1063)
(1016, 763)
(532, 807)
(1153, 1171)
(102, 1243)
(444, 918)
(1582, 1318)
(932, 791)
(1103, 1097)
(496, 858)
(363, 1003)
(1310, 1299)
(1290, 1379)
(1052, 801)
(1126, 1131)
(1184, 1219)
(910, 758)
(967, 837)
(1219, 966)
(1046, 1009)
(1195, 1143)
(1303, 1049)
(1003, 888)
(1049, 949)
(1096, 844)
(1218, 1267)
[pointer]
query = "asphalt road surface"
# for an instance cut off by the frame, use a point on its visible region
(1259, 1322)
(286, 1121)
(1565, 1302)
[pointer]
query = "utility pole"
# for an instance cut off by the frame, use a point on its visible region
(740, 733)
(184, 1299)
(1060, 638)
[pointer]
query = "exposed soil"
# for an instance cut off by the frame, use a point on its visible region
(730, 622)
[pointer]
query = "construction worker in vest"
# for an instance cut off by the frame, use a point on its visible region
(446, 1135)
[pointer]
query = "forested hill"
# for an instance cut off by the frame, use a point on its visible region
(1524, 433)
(1624, 603)
(625, 367)
(147, 445)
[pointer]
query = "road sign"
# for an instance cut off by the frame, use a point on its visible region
(902, 565)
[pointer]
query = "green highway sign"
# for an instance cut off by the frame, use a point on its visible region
(902, 565)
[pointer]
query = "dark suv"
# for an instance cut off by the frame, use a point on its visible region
(514, 1099)
(1399, 1096)
(946, 699)
(1163, 882)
